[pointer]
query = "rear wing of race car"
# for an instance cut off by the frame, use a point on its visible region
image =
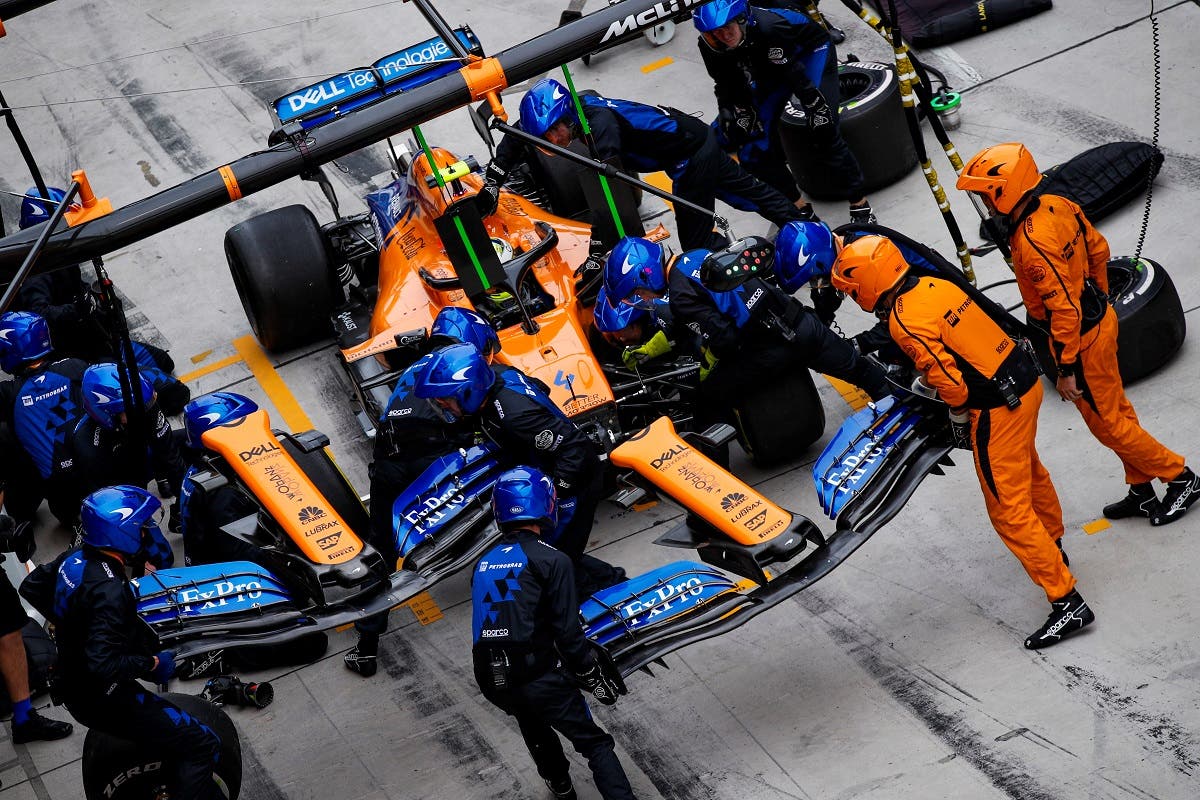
(400, 71)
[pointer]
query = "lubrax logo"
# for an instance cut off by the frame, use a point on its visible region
(645, 19)
(310, 514)
(257, 450)
(668, 455)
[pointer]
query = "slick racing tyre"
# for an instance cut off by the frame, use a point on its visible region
(872, 123)
(1149, 314)
(777, 422)
(281, 268)
(115, 769)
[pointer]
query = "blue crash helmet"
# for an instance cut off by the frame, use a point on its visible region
(35, 209)
(211, 410)
(635, 263)
(710, 16)
(24, 337)
(466, 325)
(102, 398)
(458, 372)
(543, 105)
(803, 251)
(525, 494)
(125, 519)
(610, 319)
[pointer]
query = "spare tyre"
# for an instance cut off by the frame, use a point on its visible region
(281, 268)
(872, 123)
(1149, 313)
(117, 769)
(777, 421)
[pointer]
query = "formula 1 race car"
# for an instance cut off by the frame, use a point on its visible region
(376, 280)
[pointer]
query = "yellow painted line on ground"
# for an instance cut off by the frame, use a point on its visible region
(853, 395)
(662, 62)
(196, 359)
(660, 180)
(1097, 525)
(425, 609)
(210, 368)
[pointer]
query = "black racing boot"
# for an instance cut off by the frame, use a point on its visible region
(1140, 502)
(562, 790)
(1181, 493)
(863, 215)
(40, 729)
(363, 657)
(808, 213)
(1068, 615)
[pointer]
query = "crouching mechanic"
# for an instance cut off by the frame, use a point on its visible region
(103, 647)
(528, 428)
(732, 326)
(528, 649)
(1060, 262)
(646, 139)
(992, 388)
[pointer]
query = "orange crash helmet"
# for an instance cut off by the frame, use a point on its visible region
(1003, 173)
(867, 268)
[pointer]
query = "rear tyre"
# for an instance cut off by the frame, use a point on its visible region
(779, 421)
(281, 268)
(1150, 316)
(116, 769)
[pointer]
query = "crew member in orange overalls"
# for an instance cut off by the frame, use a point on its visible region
(991, 386)
(1061, 266)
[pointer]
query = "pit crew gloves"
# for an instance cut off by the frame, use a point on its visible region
(960, 428)
(164, 669)
(600, 685)
(739, 124)
(826, 301)
(657, 345)
(820, 116)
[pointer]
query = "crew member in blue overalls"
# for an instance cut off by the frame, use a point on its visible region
(528, 428)
(732, 326)
(759, 58)
(528, 649)
(646, 139)
(104, 648)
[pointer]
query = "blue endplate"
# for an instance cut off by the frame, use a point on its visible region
(859, 449)
(443, 490)
(652, 599)
(208, 591)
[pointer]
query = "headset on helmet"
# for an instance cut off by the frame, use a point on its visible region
(102, 398)
(125, 519)
(710, 16)
(634, 263)
(867, 268)
(524, 494)
(24, 337)
(543, 105)
(610, 319)
(465, 325)
(1003, 173)
(35, 209)
(803, 251)
(212, 410)
(458, 372)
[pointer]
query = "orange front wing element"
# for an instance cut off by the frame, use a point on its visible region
(289, 497)
(699, 485)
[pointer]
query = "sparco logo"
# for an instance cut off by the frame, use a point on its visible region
(754, 297)
(649, 17)
(493, 633)
(668, 455)
(310, 514)
(256, 451)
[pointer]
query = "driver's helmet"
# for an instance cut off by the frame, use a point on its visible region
(614, 319)
(212, 410)
(465, 325)
(634, 264)
(524, 494)
(543, 105)
(125, 519)
(459, 372)
(35, 209)
(102, 398)
(24, 338)
(803, 251)
(719, 13)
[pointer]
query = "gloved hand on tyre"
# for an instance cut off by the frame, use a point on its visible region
(816, 109)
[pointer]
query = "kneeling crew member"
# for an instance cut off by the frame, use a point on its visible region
(1060, 262)
(529, 651)
(991, 385)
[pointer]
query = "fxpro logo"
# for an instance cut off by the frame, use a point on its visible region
(645, 19)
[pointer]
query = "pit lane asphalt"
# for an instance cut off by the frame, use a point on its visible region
(900, 675)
